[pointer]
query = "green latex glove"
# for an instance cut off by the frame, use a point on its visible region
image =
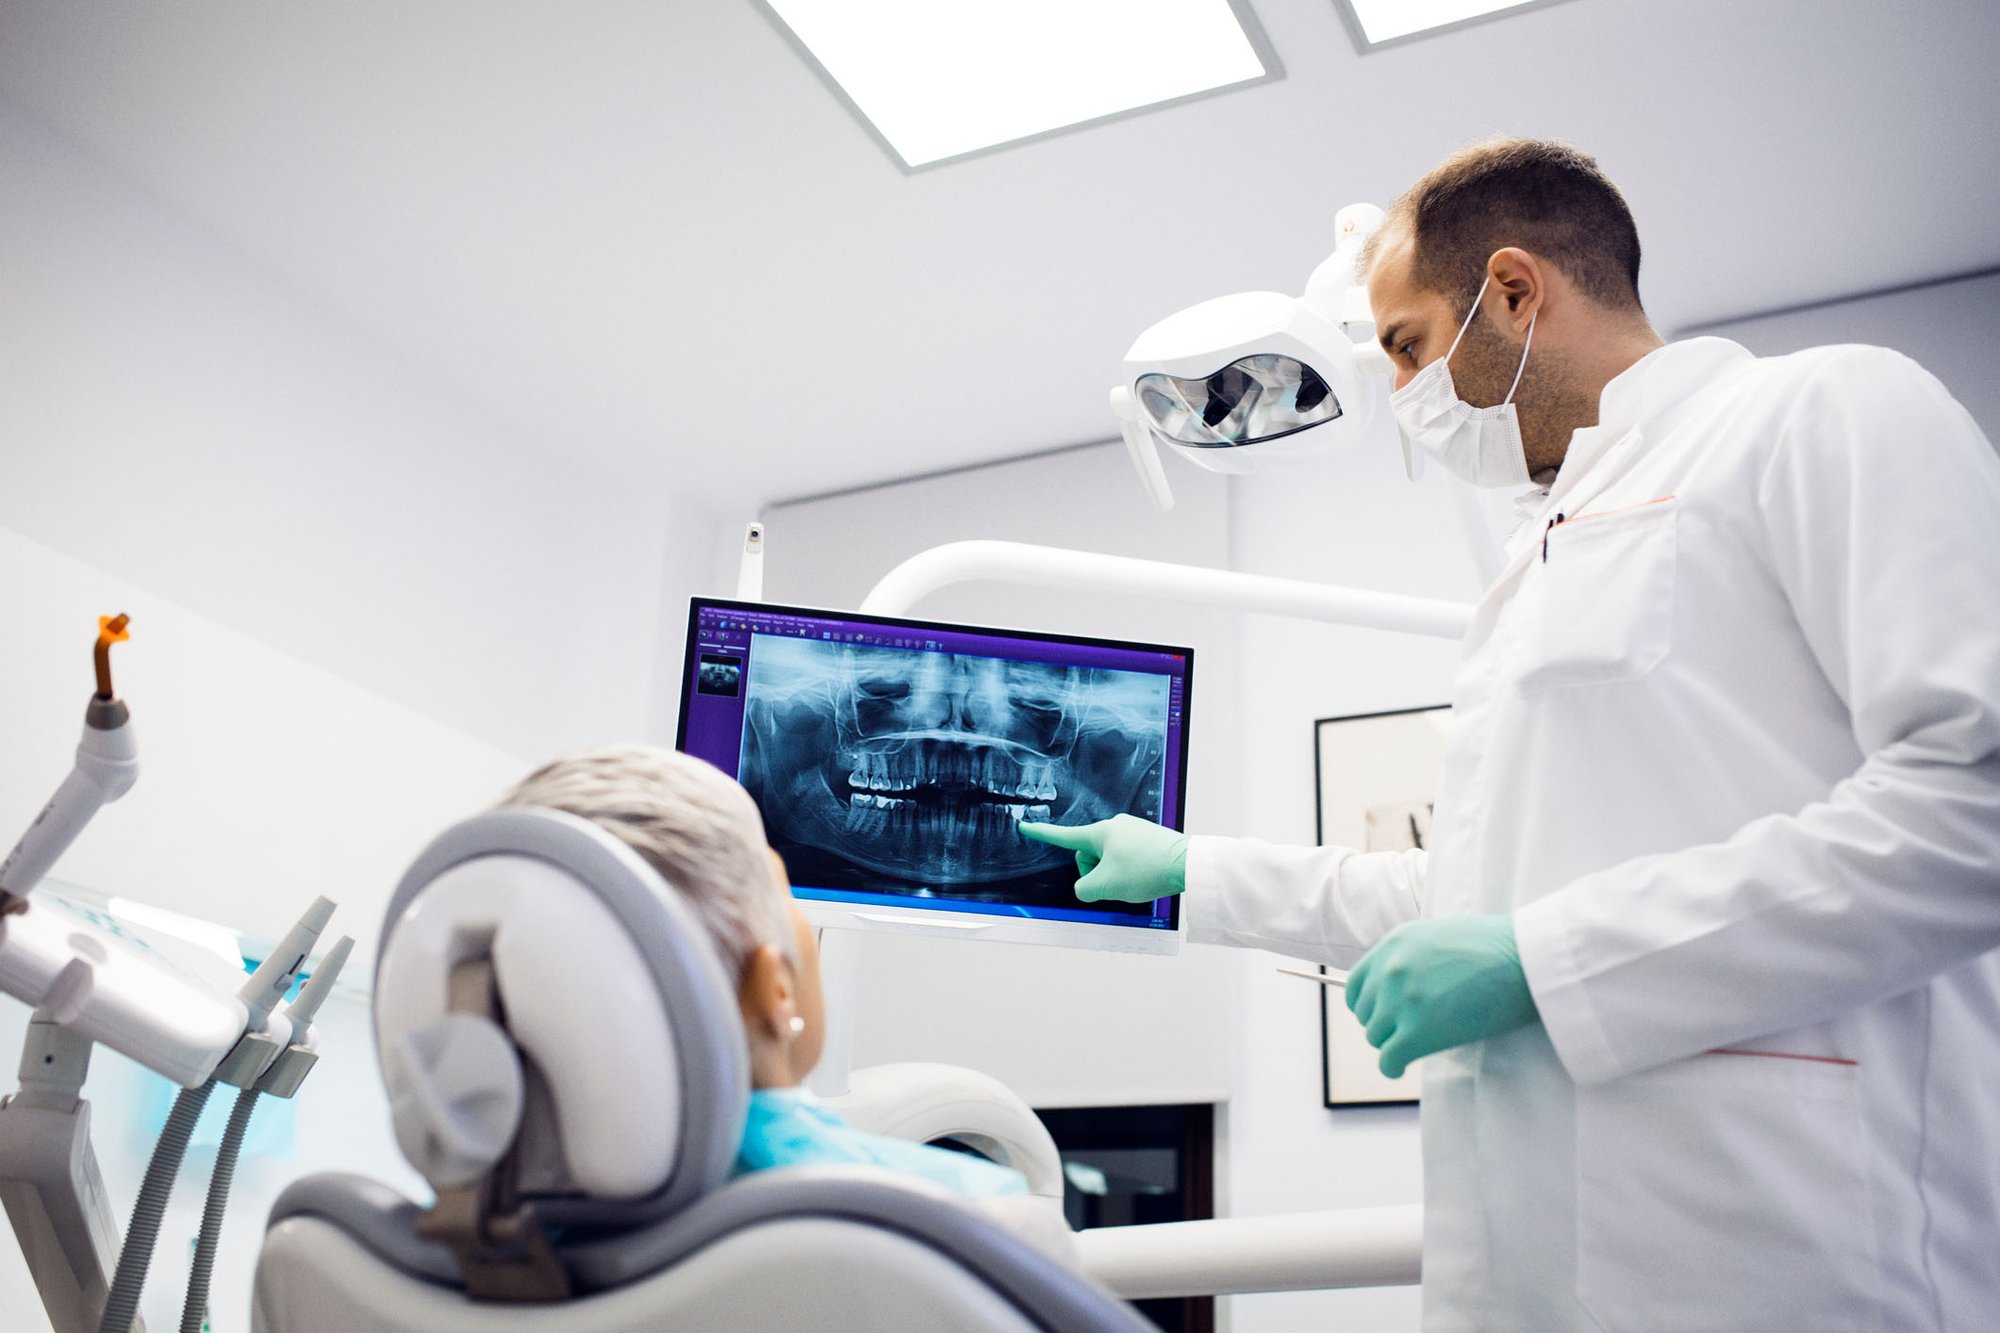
(1432, 985)
(1124, 858)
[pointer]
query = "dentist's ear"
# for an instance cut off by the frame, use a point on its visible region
(1522, 281)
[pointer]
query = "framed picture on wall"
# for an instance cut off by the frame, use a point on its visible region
(1375, 776)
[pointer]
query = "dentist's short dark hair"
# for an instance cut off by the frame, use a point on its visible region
(1547, 198)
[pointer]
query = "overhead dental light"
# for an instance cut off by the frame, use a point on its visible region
(1257, 379)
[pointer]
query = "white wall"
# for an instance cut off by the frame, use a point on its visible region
(1952, 328)
(173, 415)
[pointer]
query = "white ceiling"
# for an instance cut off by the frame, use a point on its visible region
(644, 234)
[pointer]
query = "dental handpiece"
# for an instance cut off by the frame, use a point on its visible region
(107, 764)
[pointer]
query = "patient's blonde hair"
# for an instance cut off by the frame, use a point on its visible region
(691, 822)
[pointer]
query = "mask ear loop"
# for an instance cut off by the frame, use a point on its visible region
(1413, 459)
(1522, 369)
(1468, 323)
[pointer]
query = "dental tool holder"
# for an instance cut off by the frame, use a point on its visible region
(89, 979)
(92, 982)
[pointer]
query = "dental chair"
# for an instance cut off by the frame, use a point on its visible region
(566, 1068)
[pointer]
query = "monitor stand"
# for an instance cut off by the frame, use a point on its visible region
(840, 983)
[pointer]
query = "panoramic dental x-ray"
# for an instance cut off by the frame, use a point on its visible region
(893, 771)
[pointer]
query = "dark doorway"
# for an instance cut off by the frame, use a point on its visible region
(1135, 1165)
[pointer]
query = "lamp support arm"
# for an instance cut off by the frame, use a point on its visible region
(1054, 567)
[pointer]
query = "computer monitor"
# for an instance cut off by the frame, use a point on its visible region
(893, 759)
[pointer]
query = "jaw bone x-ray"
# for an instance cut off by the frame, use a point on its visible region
(894, 771)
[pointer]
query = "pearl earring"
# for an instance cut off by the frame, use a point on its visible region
(798, 1025)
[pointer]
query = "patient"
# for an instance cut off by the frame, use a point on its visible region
(701, 832)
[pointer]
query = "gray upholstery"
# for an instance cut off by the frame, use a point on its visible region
(1051, 1295)
(376, 1216)
(1047, 1294)
(714, 1069)
(789, 1275)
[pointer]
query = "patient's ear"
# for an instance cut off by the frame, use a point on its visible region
(766, 996)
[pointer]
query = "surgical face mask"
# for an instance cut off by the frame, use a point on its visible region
(1480, 444)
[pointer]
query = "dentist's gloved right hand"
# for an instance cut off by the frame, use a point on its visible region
(1124, 858)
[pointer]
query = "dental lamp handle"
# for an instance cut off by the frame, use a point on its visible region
(1335, 289)
(1139, 444)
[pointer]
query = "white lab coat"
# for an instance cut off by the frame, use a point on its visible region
(1730, 753)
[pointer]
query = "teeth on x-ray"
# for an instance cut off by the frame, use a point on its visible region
(953, 765)
(908, 771)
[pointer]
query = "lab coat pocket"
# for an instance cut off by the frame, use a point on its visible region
(1606, 597)
(1729, 1191)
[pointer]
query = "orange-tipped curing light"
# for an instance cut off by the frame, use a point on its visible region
(110, 630)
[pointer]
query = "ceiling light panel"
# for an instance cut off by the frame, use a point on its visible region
(1381, 21)
(939, 79)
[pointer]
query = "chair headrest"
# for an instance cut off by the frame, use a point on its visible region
(631, 1079)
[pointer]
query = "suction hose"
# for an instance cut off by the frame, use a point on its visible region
(195, 1312)
(122, 1306)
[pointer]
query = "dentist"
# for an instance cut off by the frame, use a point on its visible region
(1702, 953)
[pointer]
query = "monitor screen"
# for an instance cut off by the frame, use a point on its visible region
(893, 759)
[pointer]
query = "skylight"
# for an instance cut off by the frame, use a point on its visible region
(937, 81)
(1386, 20)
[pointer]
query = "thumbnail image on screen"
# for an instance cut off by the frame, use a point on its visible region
(719, 674)
(883, 770)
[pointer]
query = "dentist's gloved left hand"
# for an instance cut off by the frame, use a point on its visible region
(1434, 984)
(1124, 858)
